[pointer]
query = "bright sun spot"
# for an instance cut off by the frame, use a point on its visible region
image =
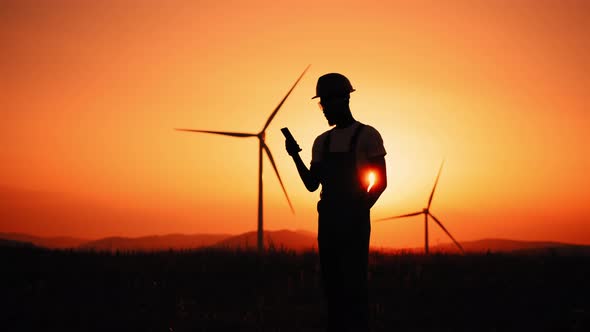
(371, 178)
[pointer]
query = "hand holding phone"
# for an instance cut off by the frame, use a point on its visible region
(290, 143)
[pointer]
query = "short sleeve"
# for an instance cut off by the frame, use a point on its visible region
(372, 143)
(316, 150)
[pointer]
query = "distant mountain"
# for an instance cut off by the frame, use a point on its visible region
(503, 245)
(15, 244)
(155, 242)
(56, 242)
(296, 240)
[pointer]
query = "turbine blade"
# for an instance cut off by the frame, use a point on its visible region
(401, 216)
(225, 133)
(435, 182)
(449, 234)
(272, 115)
(272, 161)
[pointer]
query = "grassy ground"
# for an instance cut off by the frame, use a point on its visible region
(45, 290)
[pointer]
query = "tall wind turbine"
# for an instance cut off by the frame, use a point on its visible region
(261, 147)
(426, 212)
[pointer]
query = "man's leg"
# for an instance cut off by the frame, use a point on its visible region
(358, 271)
(329, 251)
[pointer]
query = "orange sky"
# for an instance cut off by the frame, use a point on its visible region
(90, 92)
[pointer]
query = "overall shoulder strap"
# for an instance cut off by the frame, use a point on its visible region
(326, 147)
(355, 136)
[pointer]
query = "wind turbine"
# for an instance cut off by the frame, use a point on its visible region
(426, 212)
(261, 147)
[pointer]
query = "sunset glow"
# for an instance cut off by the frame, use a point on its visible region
(370, 180)
(91, 91)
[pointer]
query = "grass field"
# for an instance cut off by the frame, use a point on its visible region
(206, 290)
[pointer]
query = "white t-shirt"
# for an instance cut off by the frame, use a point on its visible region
(369, 143)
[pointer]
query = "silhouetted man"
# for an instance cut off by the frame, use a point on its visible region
(342, 158)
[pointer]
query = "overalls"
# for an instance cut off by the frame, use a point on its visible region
(343, 238)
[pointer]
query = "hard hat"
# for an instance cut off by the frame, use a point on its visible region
(333, 85)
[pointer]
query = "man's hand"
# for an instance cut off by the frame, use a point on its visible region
(292, 147)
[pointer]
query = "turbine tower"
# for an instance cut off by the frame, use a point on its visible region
(426, 212)
(262, 148)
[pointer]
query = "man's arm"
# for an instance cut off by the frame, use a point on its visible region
(377, 164)
(308, 176)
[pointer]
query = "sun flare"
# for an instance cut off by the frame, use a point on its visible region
(371, 177)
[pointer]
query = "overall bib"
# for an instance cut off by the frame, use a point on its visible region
(343, 238)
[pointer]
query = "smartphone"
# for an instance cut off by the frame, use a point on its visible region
(288, 136)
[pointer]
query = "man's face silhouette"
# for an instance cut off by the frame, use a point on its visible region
(334, 108)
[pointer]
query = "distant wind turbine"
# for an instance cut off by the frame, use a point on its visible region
(426, 212)
(261, 147)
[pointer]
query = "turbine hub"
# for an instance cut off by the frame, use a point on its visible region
(262, 135)
(425, 210)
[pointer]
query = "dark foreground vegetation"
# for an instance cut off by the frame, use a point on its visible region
(207, 290)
